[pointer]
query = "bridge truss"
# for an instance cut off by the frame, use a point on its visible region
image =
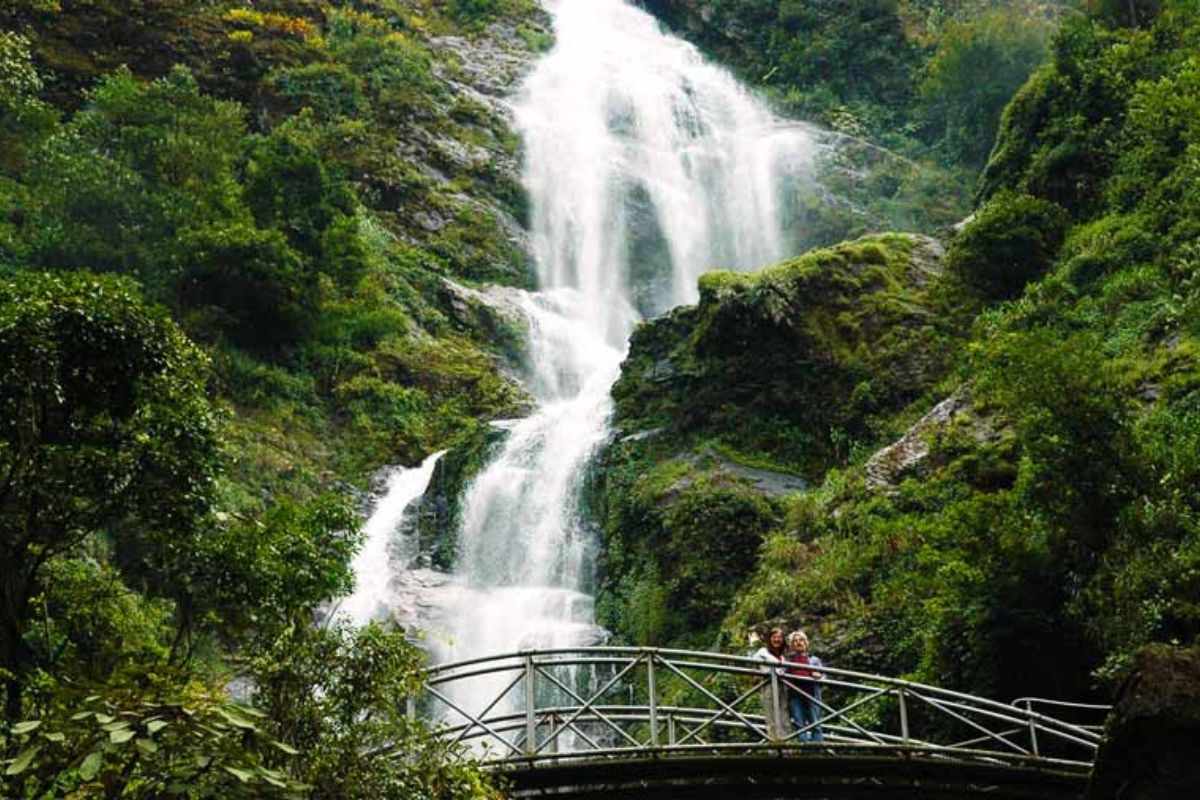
(609, 721)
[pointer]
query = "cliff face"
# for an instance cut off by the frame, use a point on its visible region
(1151, 748)
(790, 361)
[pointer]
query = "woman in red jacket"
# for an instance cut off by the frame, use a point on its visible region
(804, 693)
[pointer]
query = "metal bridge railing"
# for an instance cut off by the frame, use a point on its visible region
(610, 702)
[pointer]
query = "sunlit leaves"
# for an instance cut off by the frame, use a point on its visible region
(155, 737)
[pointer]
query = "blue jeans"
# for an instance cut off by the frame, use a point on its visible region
(804, 712)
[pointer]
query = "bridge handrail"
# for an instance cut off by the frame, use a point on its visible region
(742, 665)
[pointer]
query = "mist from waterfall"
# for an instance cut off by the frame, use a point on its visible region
(644, 167)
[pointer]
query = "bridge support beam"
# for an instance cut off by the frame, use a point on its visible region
(530, 706)
(779, 776)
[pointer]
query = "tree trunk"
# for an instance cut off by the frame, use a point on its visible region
(13, 652)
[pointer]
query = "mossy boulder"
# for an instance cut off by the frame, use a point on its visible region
(680, 537)
(1151, 748)
(1011, 242)
(795, 362)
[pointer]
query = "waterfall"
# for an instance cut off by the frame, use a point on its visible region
(644, 166)
(387, 550)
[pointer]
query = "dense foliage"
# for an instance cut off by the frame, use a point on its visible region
(227, 238)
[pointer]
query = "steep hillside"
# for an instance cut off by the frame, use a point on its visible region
(1026, 513)
(338, 164)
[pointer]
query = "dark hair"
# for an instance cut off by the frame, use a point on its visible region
(771, 635)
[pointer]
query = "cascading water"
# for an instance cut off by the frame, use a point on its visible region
(644, 166)
(386, 549)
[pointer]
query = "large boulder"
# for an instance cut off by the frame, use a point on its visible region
(795, 361)
(1151, 748)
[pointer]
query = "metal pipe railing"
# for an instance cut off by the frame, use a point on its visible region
(588, 725)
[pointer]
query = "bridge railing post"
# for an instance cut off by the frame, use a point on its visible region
(530, 707)
(774, 723)
(670, 729)
(1033, 740)
(652, 691)
(904, 733)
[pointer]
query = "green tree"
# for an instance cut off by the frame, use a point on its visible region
(143, 163)
(248, 285)
(23, 117)
(104, 425)
(979, 64)
(340, 696)
(144, 736)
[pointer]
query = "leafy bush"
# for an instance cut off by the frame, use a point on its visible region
(1011, 242)
(106, 422)
(247, 284)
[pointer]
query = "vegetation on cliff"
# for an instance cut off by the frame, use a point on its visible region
(726, 407)
(914, 90)
(1036, 524)
(233, 239)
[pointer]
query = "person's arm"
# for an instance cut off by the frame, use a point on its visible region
(816, 662)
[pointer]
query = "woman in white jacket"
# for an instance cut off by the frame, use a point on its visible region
(774, 696)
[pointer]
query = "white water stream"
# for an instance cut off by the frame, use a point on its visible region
(644, 166)
(387, 547)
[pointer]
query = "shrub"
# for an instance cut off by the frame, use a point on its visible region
(1012, 242)
(249, 286)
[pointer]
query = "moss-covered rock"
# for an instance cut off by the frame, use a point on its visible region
(1151, 748)
(1011, 242)
(680, 536)
(797, 361)
(727, 409)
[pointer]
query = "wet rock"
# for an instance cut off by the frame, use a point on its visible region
(770, 483)
(891, 465)
(1151, 748)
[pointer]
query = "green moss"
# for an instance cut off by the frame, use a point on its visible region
(680, 534)
(795, 362)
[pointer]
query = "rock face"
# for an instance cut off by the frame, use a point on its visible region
(793, 361)
(905, 457)
(1151, 749)
(459, 194)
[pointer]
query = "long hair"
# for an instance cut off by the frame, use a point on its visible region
(770, 647)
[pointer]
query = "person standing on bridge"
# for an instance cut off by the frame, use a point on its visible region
(774, 697)
(804, 688)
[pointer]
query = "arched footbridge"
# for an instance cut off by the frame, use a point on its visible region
(607, 722)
